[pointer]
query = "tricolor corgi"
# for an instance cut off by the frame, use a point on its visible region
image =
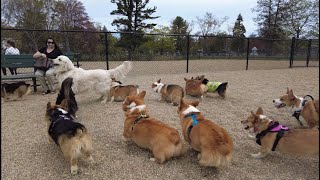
(213, 143)
(119, 92)
(170, 93)
(72, 137)
(16, 90)
(272, 136)
(148, 132)
(300, 107)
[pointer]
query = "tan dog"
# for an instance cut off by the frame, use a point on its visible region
(72, 137)
(212, 141)
(171, 93)
(16, 90)
(300, 108)
(195, 87)
(118, 92)
(274, 137)
(147, 132)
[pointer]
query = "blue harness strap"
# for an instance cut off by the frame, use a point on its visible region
(194, 122)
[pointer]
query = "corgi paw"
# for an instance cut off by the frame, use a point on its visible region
(153, 159)
(74, 169)
(251, 136)
(199, 156)
(259, 155)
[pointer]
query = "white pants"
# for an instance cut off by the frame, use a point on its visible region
(49, 74)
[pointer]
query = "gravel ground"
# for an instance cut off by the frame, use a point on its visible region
(26, 153)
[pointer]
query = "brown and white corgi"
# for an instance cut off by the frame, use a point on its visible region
(170, 93)
(16, 90)
(195, 87)
(148, 132)
(272, 136)
(72, 137)
(212, 141)
(300, 108)
(119, 92)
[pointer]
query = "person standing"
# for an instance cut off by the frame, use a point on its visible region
(10, 49)
(46, 77)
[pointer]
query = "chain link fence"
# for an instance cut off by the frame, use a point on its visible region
(170, 53)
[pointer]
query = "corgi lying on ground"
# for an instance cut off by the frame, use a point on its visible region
(15, 90)
(119, 92)
(170, 93)
(272, 136)
(300, 107)
(212, 141)
(72, 137)
(148, 132)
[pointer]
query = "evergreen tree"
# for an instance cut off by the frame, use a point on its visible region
(238, 43)
(180, 26)
(133, 14)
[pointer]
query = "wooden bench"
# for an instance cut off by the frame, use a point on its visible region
(27, 61)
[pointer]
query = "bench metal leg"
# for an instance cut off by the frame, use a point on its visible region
(34, 84)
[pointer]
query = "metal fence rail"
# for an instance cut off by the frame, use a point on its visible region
(172, 53)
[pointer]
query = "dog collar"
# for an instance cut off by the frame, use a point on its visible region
(158, 87)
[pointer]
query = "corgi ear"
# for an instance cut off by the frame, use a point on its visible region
(49, 105)
(195, 103)
(288, 90)
(113, 79)
(259, 111)
(191, 77)
(142, 94)
(159, 81)
(64, 103)
(185, 79)
(255, 116)
(291, 96)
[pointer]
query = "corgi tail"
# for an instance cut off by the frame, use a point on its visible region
(121, 71)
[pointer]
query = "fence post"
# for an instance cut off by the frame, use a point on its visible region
(293, 41)
(308, 52)
(188, 47)
(106, 49)
(248, 44)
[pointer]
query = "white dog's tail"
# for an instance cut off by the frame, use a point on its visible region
(122, 70)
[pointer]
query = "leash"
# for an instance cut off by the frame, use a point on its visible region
(136, 121)
(296, 114)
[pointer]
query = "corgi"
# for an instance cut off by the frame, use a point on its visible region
(212, 87)
(16, 90)
(72, 137)
(272, 136)
(118, 92)
(67, 93)
(148, 132)
(214, 144)
(195, 87)
(300, 108)
(170, 93)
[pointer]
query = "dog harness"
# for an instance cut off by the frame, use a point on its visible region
(297, 113)
(136, 121)
(212, 86)
(194, 122)
(62, 124)
(275, 127)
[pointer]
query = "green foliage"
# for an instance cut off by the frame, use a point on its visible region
(238, 43)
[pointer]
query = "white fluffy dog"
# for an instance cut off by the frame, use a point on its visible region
(97, 80)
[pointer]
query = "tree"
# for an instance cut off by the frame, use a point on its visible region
(209, 24)
(180, 26)
(133, 14)
(238, 32)
(314, 25)
(270, 19)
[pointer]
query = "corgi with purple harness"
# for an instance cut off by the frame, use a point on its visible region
(272, 136)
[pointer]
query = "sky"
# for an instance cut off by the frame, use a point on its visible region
(189, 10)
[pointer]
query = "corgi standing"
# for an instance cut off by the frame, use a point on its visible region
(170, 93)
